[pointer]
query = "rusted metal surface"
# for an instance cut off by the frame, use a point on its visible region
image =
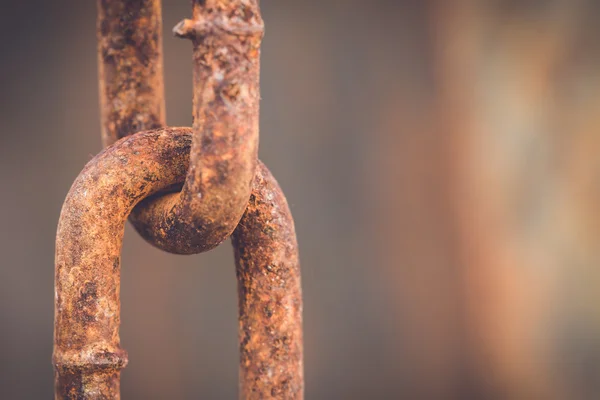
(270, 298)
(213, 164)
(87, 355)
(130, 66)
(226, 38)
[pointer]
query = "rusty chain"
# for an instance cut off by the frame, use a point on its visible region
(224, 191)
(226, 39)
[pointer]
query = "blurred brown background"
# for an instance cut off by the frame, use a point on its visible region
(441, 159)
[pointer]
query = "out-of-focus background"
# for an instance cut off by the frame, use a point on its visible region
(442, 162)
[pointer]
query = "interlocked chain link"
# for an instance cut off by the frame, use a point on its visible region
(185, 191)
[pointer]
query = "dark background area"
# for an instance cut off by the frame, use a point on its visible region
(442, 163)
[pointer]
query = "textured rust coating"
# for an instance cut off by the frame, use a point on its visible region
(87, 355)
(213, 164)
(270, 297)
(130, 67)
(226, 38)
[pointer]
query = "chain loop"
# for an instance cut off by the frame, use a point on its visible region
(87, 352)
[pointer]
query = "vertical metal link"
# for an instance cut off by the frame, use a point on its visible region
(226, 38)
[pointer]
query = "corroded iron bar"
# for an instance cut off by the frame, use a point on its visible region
(130, 66)
(270, 296)
(226, 38)
(87, 354)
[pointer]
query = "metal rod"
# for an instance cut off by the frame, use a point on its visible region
(87, 354)
(130, 66)
(270, 296)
